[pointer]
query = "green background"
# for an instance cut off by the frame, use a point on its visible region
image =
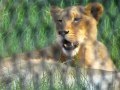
(26, 25)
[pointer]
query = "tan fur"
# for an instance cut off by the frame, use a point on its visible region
(92, 53)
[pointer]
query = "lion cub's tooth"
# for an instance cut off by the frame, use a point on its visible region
(72, 44)
(65, 45)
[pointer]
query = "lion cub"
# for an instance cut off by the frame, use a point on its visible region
(76, 29)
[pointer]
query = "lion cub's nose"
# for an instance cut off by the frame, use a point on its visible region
(63, 33)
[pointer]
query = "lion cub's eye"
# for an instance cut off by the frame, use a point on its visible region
(60, 21)
(77, 19)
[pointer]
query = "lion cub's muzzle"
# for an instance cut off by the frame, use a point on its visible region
(69, 45)
(63, 33)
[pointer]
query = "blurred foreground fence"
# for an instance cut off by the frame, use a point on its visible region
(26, 25)
(36, 74)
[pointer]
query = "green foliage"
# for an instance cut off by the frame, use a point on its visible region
(26, 25)
(2, 48)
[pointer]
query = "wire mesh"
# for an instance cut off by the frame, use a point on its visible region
(45, 75)
(26, 25)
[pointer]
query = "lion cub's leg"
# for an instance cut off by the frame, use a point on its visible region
(96, 57)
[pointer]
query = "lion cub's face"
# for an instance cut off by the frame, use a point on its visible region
(75, 25)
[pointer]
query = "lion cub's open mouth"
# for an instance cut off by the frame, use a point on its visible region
(69, 45)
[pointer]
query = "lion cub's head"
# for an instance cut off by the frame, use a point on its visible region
(75, 25)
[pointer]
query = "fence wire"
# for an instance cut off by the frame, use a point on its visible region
(48, 75)
(26, 25)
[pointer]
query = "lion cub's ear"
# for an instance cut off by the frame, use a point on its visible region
(94, 9)
(55, 11)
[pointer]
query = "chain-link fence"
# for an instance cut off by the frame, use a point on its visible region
(20, 74)
(26, 25)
